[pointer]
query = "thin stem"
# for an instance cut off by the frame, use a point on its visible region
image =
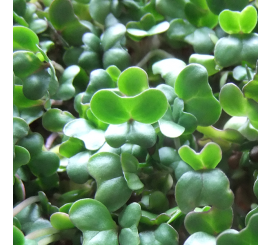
(58, 67)
(49, 239)
(152, 54)
(177, 214)
(42, 232)
(24, 204)
(50, 140)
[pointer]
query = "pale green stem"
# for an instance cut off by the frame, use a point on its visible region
(175, 216)
(49, 239)
(42, 232)
(24, 204)
(152, 54)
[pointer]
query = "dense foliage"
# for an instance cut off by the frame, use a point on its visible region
(135, 122)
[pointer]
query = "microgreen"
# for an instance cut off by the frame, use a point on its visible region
(135, 122)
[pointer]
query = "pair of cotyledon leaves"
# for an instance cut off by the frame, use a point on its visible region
(147, 105)
(98, 227)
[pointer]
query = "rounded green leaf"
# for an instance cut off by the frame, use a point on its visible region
(235, 104)
(208, 187)
(112, 189)
(24, 39)
(208, 61)
(230, 21)
(168, 91)
(236, 48)
(192, 87)
(131, 132)
(248, 19)
(99, 10)
(61, 221)
(21, 157)
(25, 63)
(208, 158)
(130, 167)
(91, 215)
(213, 221)
(77, 167)
(38, 25)
(198, 14)
(85, 131)
(18, 236)
(61, 13)
(116, 56)
(201, 238)
(129, 236)
(147, 107)
(217, 6)
(235, 22)
(169, 69)
(109, 107)
(33, 142)
(130, 216)
(20, 129)
(247, 236)
(133, 81)
(71, 147)
(44, 164)
(36, 85)
(54, 119)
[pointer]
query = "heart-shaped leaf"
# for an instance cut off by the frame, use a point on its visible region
(209, 187)
(236, 48)
(192, 87)
(54, 120)
(247, 236)
(131, 132)
(208, 158)
(85, 131)
(155, 202)
(238, 22)
(77, 167)
(164, 234)
(95, 221)
(208, 61)
(133, 81)
(169, 69)
(198, 14)
(234, 103)
(130, 167)
(24, 39)
(61, 221)
(212, 221)
(146, 27)
(147, 107)
(201, 238)
(112, 188)
(200, 39)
